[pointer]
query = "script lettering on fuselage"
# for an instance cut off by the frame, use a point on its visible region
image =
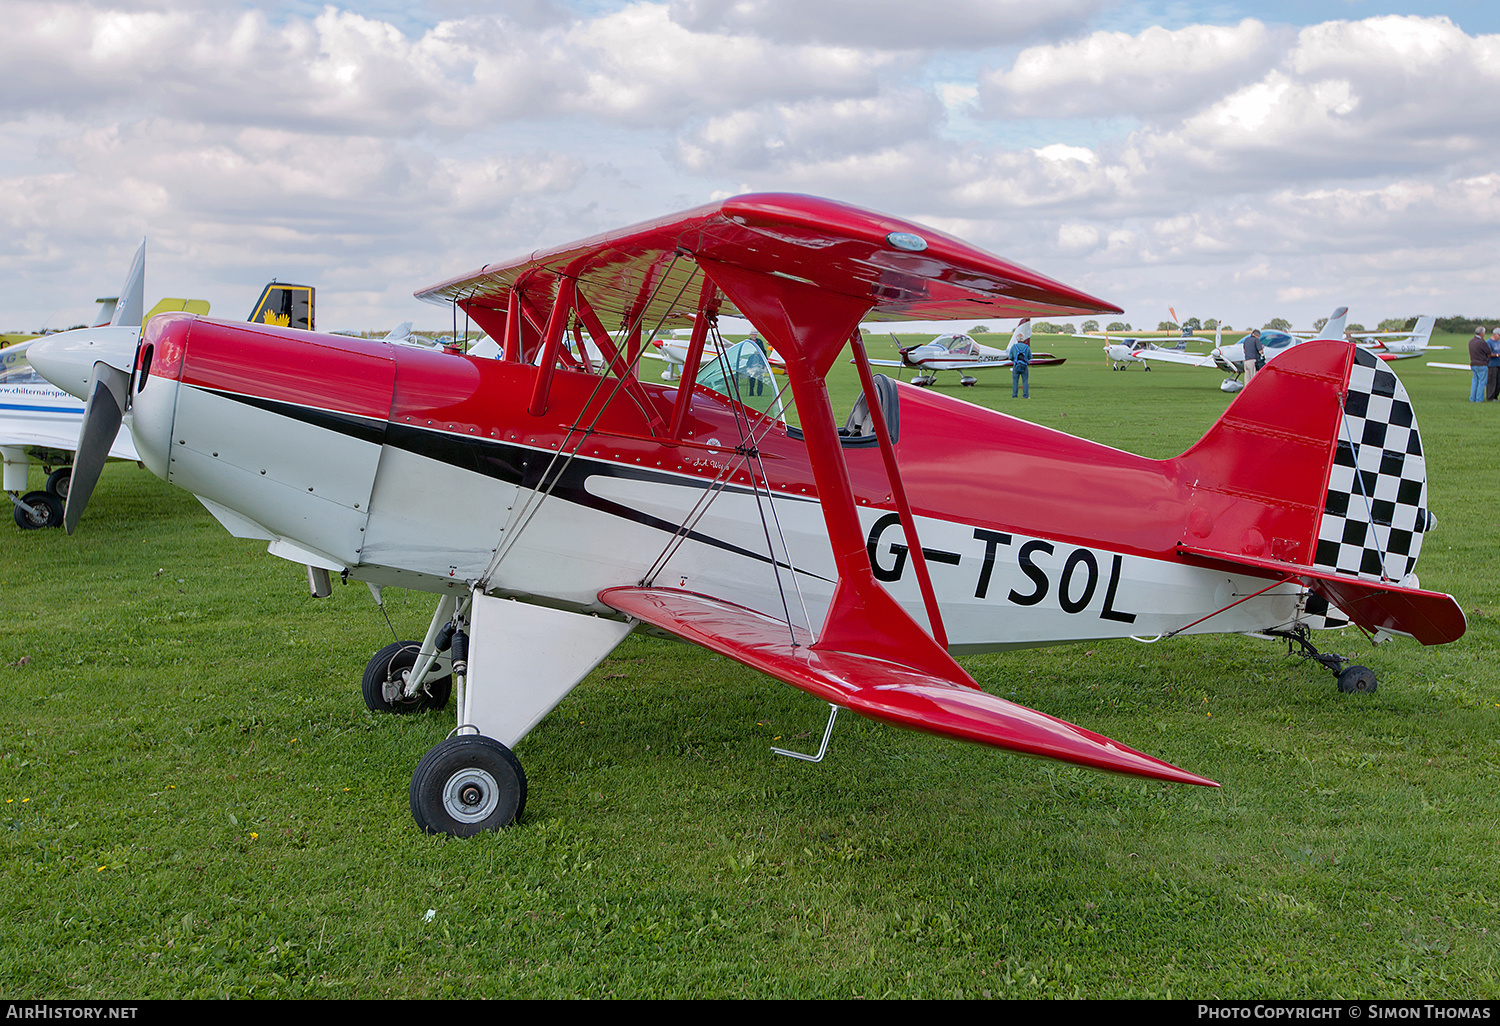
(1071, 580)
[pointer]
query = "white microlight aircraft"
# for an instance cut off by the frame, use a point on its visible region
(1231, 358)
(675, 352)
(1119, 355)
(41, 420)
(959, 352)
(1401, 345)
(849, 563)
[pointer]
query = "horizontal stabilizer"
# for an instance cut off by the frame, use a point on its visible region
(1431, 617)
(881, 689)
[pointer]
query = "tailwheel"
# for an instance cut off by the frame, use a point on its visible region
(386, 674)
(1357, 680)
(1353, 679)
(466, 785)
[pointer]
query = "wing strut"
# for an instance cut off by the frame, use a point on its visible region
(898, 490)
(809, 327)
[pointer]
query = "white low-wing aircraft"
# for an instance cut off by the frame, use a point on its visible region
(42, 420)
(959, 352)
(850, 563)
(1231, 358)
(1400, 345)
(39, 421)
(675, 351)
(1121, 354)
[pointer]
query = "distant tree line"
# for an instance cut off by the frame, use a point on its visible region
(1454, 325)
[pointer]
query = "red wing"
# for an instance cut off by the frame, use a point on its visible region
(881, 689)
(637, 273)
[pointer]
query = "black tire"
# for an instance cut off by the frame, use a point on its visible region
(392, 663)
(466, 785)
(1357, 680)
(49, 511)
(58, 482)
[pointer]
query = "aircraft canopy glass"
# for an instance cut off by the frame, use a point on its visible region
(958, 345)
(742, 373)
(16, 370)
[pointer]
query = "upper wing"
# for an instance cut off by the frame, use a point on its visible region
(650, 273)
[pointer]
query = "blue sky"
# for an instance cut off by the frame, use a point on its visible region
(1240, 161)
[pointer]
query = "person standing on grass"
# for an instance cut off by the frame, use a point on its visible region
(1479, 363)
(1494, 385)
(1255, 356)
(1020, 360)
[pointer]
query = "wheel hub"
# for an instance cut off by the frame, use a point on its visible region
(470, 795)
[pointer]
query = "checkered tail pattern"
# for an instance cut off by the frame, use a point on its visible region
(1375, 512)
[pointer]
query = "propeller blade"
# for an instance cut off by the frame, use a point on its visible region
(103, 413)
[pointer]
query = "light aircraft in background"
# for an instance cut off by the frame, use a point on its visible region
(1400, 345)
(1386, 345)
(674, 352)
(1231, 358)
(959, 352)
(580, 501)
(41, 421)
(1119, 355)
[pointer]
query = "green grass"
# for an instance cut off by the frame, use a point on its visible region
(195, 803)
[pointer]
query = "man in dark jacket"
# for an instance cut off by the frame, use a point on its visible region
(1479, 363)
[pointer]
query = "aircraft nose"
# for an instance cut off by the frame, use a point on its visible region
(67, 359)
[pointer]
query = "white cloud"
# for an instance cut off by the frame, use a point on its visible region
(344, 72)
(1111, 73)
(371, 154)
(794, 135)
(890, 24)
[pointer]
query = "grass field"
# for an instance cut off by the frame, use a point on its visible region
(194, 801)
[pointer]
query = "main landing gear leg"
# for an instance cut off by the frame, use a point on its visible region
(1353, 679)
(513, 666)
(408, 676)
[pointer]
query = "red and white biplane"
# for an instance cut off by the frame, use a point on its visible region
(849, 562)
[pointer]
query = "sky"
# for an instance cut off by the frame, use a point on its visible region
(1235, 160)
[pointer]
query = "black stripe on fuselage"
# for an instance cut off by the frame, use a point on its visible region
(514, 464)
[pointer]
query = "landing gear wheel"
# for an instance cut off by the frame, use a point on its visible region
(58, 482)
(1357, 680)
(467, 784)
(392, 664)
(48, 511)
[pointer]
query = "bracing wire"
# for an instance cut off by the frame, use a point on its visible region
(552, 474)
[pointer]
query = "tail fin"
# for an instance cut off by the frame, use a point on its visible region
(290, 306)
(1022, 332)
(1293, 481)
(106, 312)
(132, 301)
(1421, 332)
(1335, 326)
